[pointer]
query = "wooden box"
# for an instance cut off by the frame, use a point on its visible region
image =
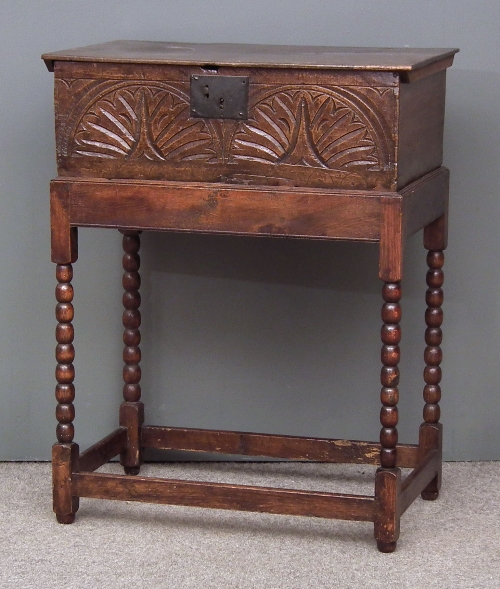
(317, 116)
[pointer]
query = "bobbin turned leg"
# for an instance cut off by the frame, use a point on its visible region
(131, 410)
(65, 452)
(388, 477)
(431, 430)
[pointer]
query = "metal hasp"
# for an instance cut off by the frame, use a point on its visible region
(219, 97)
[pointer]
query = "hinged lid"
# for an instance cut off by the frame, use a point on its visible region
(266, 56)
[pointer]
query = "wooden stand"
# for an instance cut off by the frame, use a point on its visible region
(381, 202)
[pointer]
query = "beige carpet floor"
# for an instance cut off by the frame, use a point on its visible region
(451, 543)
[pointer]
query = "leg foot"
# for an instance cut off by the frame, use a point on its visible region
(386, 547)
(132, 417)
(64, 464)
(388, 514)
(430, 495)
(132, 470)
(67, 518)
(431, 438)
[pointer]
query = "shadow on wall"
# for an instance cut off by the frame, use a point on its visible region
(296, 262)
(472, 303)
(260, 334)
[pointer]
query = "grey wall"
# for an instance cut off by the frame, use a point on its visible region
(241, 333)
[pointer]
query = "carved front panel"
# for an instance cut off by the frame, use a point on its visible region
(297, 134)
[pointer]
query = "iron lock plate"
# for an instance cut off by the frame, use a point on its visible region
(219, 97)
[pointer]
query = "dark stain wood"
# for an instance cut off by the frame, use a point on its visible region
(64, 465)
(431, 440)
(335, 127)
(436, 233)
(223, 496)
(425, 200)
(248, 210)
(337, 131)
(421, 122)
(219, 208)
(390, 268)
(283, 56)
(132, 409)
(270, 445)
(103, 451)
(65, 354)
(420, 478)
(389, 377)
(432, 68)
(431, 430)
(64, 237)
(81, 74)
(416, 206)
(132, 418)
(388, 508)
(339, 143)
(433, 336)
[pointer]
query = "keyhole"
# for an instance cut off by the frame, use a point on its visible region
(221, 102)
(207, 93)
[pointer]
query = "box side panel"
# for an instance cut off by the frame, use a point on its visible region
(309, 129)
(421, 121)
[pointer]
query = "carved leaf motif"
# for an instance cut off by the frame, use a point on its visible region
(306, 128)
(142, 122)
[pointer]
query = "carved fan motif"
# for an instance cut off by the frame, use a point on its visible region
(306, 128)
(142, 122)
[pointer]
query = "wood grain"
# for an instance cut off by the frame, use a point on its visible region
(419, 478)
(421, 123)
(223, 496)
(387, 508)
(132, 418)
(436, 233)
(330, 130)
(425, 200)
(225, 209)
(391, 239)
(234, 54)
(270, 445)
(64, 465)
(430, 69)
(64, 237)
(103, 451)
(80, 74)
(431, 439)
